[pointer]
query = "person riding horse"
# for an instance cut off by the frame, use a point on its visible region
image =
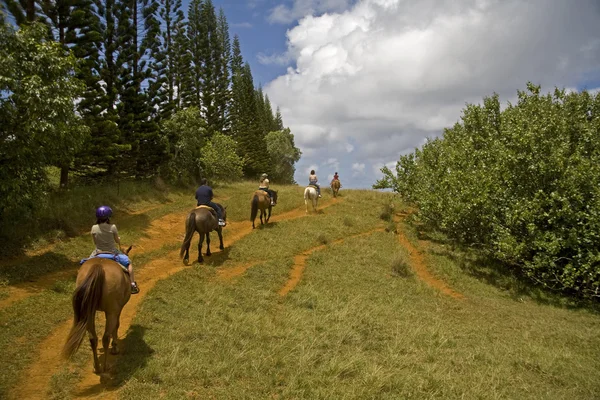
(264, 186)
(204, 196)
(108, 243)
(313, 180)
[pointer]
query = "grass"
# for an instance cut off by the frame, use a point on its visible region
(353, 327)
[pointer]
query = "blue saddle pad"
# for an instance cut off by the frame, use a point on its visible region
(121, 259)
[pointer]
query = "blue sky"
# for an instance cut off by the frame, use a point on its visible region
(370, 80)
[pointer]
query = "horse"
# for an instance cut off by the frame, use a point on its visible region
(261, 201)
(311, 193)
(335, 187)
(203, 221)
(101, 285)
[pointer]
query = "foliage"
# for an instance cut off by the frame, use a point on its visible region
(283, 154)
(220, 160)
(38, 123)
(523, 184)
(185, 133)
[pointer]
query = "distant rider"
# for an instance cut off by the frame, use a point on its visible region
(107, 241)
(264, 185)
(204, 196)
(313, 180)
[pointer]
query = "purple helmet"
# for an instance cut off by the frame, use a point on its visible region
(103, 212)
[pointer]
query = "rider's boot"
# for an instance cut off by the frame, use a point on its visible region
(134, 288)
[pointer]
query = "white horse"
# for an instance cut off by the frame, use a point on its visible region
(311, 193)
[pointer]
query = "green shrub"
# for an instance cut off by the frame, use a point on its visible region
(522, 184)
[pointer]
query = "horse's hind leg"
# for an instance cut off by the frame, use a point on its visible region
(200, 258)
(94, 343)
(112, 323)
(261, 216)
(115, 336)
(208, 253)
(269, 217)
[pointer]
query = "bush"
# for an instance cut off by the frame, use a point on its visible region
(522, 184)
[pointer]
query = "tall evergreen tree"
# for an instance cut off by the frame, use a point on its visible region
(223, 78)
(181, 73)
(250, 137)
(237, 66)
(269, 117)
(195, 32)
(278, 120)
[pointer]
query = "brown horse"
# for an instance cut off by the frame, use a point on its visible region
(203, 221)
(261, 201)
(102, 285)
(335, 187)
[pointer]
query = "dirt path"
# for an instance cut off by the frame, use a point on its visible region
(418, 264)
(35, 382)
(300, 261)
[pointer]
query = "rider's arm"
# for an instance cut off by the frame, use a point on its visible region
(116, 236)
(211, 194)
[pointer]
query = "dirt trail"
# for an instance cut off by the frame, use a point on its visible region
(418, 264)
(300, 261)
(35, 382)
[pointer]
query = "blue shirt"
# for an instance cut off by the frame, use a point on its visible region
(204, 194)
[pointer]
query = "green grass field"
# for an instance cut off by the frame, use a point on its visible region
(358, 324)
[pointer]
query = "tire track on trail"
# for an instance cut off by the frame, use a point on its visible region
(300, 260)
(35, 381)
(418, 264)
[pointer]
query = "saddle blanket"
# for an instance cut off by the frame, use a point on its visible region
(209, 208)
(121, 259)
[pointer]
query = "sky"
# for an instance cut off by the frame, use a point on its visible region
(361, 82)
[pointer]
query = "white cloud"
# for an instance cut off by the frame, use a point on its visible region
(385, 74)
(358, 168)
(277, 59)
(283, 14)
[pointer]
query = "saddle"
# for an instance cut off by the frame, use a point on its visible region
(209, 208)
(313, 186)
(115, 257)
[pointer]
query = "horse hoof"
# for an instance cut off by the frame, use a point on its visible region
(114, 351)
(221, 247)
(208, 254)
(200, 261)
(186, 261)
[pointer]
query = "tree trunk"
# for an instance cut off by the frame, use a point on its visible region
(64, 176)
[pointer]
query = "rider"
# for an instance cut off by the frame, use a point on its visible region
(312, 180)
(264, 185)
(336, 177)
(107, 241)
(204, 196)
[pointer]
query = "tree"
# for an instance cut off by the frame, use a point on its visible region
(283, 154)
(185, 133)
(223, 78)
(278, 120)
(38, 123)
(220, 160)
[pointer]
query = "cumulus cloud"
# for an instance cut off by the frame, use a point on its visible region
(358, 168)
(284, 14)
(372, 81)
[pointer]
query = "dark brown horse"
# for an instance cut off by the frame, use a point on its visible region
(102, 285)
(335, 187)
(203, 221)
(261, 201)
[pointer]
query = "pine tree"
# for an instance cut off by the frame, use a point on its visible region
(195, 31)
(250, 137)
(260, 110)
(278, 120)
(223, 79)
(269, 117)
(181, 60)
(237, 65)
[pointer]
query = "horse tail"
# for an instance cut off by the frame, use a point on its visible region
(190, 228)
(254, 208)
(86, 300)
